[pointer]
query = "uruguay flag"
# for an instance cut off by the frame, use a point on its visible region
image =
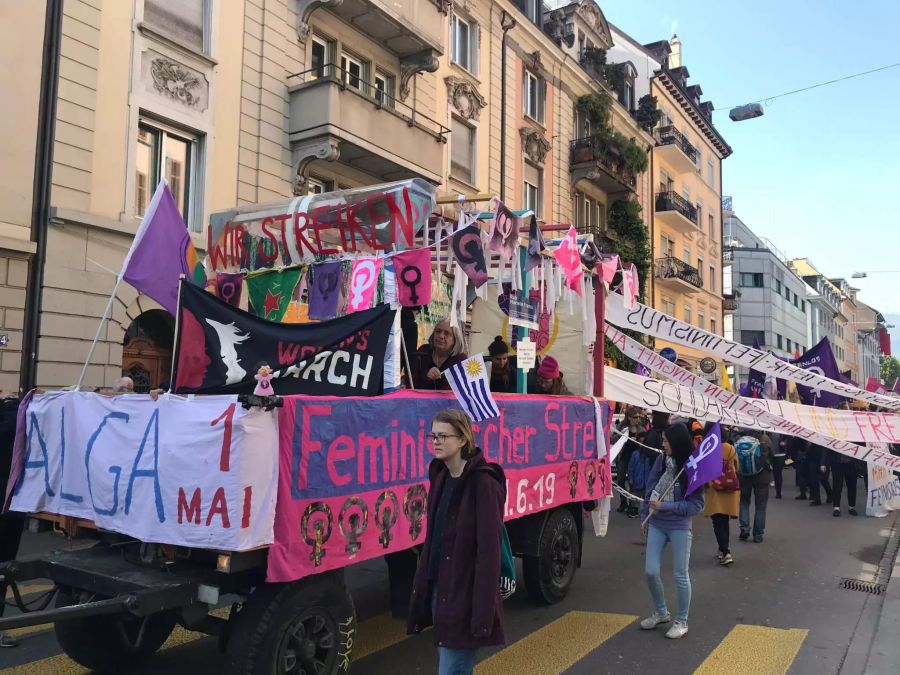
(469, 382)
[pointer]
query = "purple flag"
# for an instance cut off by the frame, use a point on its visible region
(229, 286)
(705, 463)
(820, 360)
(640, 369)
(756, 381)
(325, 290)
(536, 244)
(162, 251)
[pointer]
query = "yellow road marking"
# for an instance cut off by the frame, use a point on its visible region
(30, 589)
(747, 650)
(557, 646)
(378, 633)
(28, 630)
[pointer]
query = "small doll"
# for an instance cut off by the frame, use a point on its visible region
(263, 381)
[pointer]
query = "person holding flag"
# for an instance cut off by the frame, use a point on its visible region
(667, 516)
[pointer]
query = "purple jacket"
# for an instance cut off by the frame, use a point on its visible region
(468, 591)
(674, 515)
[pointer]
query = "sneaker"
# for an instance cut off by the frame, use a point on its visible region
(726, 559)
(801, 496)
(654, 620)
(720, 556)
(7, 641)
(744, 536)
(757, 538)
(677, 630)
(837, 512)
(852, 511)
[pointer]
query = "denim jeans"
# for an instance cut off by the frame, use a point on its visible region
(452, 661)
(657, 538)
(758, 487)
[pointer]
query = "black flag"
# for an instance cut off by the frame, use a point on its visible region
(219, 349)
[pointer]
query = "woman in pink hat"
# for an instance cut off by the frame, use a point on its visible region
(549, 380)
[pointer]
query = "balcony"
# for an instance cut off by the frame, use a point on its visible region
(730, 302)
(406, 27)
(678, 275)
(676, 211)
(675, 149)
(335, 114)
(595, 159)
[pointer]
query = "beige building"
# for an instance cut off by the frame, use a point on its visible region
(246, 101)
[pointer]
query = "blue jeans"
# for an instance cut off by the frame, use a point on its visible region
(758, 487)
(452, 661)
(657, 538)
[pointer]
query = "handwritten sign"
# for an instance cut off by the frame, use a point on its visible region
(350, 490)
(189, 472)
(370, 219)
(884, 491)
(526, 354)
(523, 311)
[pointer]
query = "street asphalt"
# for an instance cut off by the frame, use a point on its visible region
(780, 608)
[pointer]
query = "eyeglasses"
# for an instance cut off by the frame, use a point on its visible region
(440, 438)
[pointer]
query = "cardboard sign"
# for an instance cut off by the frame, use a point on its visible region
(526, 354)
(189, 472)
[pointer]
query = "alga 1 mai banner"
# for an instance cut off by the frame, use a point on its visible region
(353, 472)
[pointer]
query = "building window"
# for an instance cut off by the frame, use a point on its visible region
(748, 337)
(712, 278)
(710, 176)
(699, 206)
(462, 151)
(317, 186)
(668, 306)
(173, 154)
(532, 9)
(712, 227)
(185, 21)
(712, 325)
(698, 160)
(787, 293)
(353, 72)
(778, 339)
(384, 89)
(701, 320)
(796, 300)
(533, 188)
(687, 314)
(667, 246)
(686, 192)
(788, 346)
(464, 43)
(686, 253)
(778, 286)
(321, 55)
(666, 183)
(752, 279)
(535, 96)
(803, 306)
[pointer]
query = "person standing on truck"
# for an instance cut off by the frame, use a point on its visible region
(444, 349)
(456, 587)
(670, 512)
(549, 381)
(503, 368)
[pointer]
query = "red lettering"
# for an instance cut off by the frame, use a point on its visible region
(287, 353)
(405, 223)
(189, 512)
(300, 237)
(518, 439)
(260, 249)
(218, 255)
(340, 449)
(552, 426)
(319, 224)
(588, 451)
(354, 227)
(219, 507)
(225, 456)
(248, 502)
(362, 341)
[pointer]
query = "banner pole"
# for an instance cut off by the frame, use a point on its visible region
(103, 320)
(662, 496)
(177, 344)
(406, 359)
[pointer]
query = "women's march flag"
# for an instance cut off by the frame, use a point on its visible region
(705, 463)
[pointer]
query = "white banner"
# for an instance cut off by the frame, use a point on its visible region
(197, 471)
(649, 321)
(658, 364)
(847, 425)
(884, 491)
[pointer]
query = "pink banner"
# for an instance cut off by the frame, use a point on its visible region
(363, 283)
(350, 490)
(569, 259)
(413, 270)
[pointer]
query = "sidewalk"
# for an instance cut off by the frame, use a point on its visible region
(884, 655)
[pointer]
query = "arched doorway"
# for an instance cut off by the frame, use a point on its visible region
(147, 349)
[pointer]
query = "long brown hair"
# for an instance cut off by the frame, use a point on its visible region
(462, 424)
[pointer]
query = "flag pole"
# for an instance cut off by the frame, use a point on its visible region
(662, 496)
(177, 346)
(103, 321)
(406, 359)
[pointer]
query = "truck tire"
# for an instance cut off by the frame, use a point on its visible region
(549, 574)
(112, 643)
(302, 628)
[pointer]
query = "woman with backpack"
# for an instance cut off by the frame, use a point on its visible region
(670, 511)
(457, 582)
(723, 500)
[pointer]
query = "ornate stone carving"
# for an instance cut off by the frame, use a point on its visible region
(175, 81)
(304, 9)
(464, 97)
(305, 153)
(444, 6)
(534, 145)
(422, 62)
(594, 19)
(533, 61)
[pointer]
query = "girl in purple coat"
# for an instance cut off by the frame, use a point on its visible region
(456, 585)
(670, 523)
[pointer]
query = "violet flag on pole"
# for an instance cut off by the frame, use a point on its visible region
(756, 380)
(705, 463)
(162, 251)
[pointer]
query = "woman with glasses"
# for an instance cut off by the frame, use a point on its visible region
(456, 586)
(444, 349)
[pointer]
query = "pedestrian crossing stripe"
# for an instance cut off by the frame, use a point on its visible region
(747, 650)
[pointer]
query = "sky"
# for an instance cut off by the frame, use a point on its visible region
(819, 173)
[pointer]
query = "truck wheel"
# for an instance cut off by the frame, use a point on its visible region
(549, 574)
(113, 643)
(302, 628)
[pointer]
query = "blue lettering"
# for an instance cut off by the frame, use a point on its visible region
(39, 464)
(116, 471)
(148, 473)
(62, 462)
